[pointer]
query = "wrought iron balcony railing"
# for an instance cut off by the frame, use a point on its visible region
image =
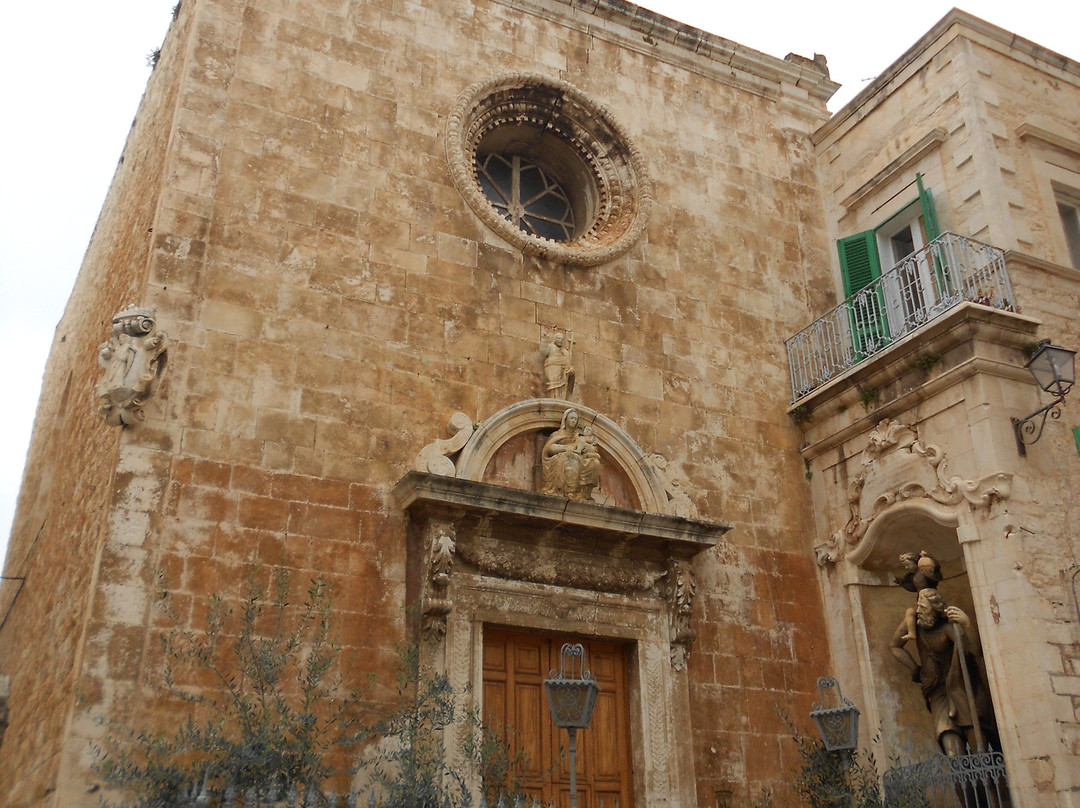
(946, 272)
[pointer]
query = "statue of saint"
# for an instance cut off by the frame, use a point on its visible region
(952, 686)
(921, 571)
(558, 367)
(571, 460)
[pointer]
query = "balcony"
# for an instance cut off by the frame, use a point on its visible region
(948, 271)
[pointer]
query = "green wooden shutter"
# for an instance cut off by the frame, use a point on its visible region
(859, 262)
(860, 265)
(929, 215)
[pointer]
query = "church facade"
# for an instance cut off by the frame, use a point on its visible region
(521, 321)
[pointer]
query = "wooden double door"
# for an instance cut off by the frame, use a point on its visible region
(515, 666)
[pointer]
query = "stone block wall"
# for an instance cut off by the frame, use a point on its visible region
(332, 300)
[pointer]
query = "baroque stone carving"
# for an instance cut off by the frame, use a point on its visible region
(896, 466)
(947, 672)
(681, 589)
(559, 375)
(679, 500)
(134, 357)
(435, 457)
(571, 460)
(571, 130)
(437, 605)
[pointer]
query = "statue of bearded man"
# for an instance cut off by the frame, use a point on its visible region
(949, 675)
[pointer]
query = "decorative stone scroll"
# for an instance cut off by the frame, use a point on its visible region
(434, 458)
(134, 357)
(898, 467)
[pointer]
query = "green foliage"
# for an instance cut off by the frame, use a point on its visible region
(832, 780)
(271, 713)
(152, 58)
(408, 768)
(869, 397)
(926, 361)
(800, 415)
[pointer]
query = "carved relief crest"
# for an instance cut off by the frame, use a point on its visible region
(896, 466)
(134, 358)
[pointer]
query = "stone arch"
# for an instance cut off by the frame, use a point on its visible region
(538, 415)
(887, 535)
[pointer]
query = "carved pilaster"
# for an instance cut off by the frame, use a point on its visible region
(681, 589)
(436, 604)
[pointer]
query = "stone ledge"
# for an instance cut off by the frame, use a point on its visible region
(420, 492)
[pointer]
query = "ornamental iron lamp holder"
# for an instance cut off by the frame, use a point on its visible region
(1054, 368)
(572, 699)
(837, 718)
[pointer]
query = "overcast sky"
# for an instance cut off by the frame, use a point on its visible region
(73, 72)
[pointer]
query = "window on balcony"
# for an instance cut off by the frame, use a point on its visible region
(909, 294)
(1068, 204)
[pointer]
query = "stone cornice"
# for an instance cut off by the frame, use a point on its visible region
(664, 38)
(924, 49)
(926, 144)
(432, 492)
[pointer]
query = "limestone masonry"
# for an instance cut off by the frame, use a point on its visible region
(478, 309)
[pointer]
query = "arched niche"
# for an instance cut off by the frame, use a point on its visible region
(912, 525)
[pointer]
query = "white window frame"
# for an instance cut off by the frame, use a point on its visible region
(1068, 209)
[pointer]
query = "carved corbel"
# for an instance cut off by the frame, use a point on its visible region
(134, 357)
(435, 457)
(681, 589)
(436, 604)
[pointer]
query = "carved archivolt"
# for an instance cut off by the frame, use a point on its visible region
(897, 467)
(467, 454)
(134, 358)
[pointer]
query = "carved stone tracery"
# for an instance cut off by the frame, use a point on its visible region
(897, 467)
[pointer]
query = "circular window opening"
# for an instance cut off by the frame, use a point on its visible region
(547, 169)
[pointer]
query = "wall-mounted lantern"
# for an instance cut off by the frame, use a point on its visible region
(837, 718)
(1054, 369)
(572, 699)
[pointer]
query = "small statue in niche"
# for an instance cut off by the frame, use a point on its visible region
(571, 460)
(134, 358)
(558, 366)
(922, 571)
(948, 673)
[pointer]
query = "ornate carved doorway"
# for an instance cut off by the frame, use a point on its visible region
(515, 666)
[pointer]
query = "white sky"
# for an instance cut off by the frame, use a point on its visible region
(73, 72)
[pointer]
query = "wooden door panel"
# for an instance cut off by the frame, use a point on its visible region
(515, 665)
